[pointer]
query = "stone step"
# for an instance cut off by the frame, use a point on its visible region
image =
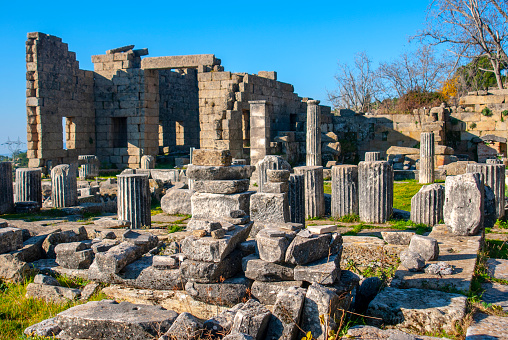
(496, 294)
(487, 327)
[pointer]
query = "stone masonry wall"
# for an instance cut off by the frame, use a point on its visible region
(57, 88)
(127, 108)
(178, 109)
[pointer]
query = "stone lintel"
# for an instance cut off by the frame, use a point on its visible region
(180, 61)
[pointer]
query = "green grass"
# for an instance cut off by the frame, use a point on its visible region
(39, 216)
(18, 312)
(327, 186)
(403, 192)
(175, 228)
(496, 249)
(155, 208)
(347, 219)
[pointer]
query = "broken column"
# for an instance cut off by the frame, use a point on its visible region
(147, 162)
(269, 162)
(493, 176)
(6, 188)
(314, 191)
(463, 207)
(427, 152)
(296, 198)
(260, 119)
(375, 187)
(64, 188)
(89, 166)
(313, 133)
(427, 205)
(28, 185)
(372, 156)
(344, 190)
(134, 200)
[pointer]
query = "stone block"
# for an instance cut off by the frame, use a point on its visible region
(273, 243)
(209, 249)
(324, 271)
(320, 302)
(267, 207)
(46, 280)
(266, 292)
(177, 201)
(303, 250)
(277, 176)
(486, 327)
(276, 188)
(10, 239)
(116, 258)
(259, 270)
(286, 314)
(412, 261)
(227, 293)
(426, 246)
(74, 255)
(252, 319)
(217, 173)
(397, 237)
(185, 327)
(209, 272)
(222, 187)
(53, 294)
(217, 206)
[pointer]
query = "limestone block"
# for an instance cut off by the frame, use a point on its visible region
(411, 260)
(54, 294)
(266, 292)
(252, 319)
(206, 157)
(208, 272)
(217, 173)
(269, 207)
(286, 314)
(319, 301)
(227, 293)
(463, 207)
(259, 270)
(116, 258)
(324, 271)
(273, 243)
(426, 246)
(185, 327)
(217, 206)
(10, 239)
(269, 163)
(303, 250)
(314, 191)
(276, 176)
(222, 187)
(427, 205)
(74, 255)
(177, 201)
(402, 238)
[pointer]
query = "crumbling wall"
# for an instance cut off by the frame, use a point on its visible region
(178, 109)
(127, 108)
(57, 89)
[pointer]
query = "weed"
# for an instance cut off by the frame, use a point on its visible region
(472, 126)
(487, 112)
(173, 228)
(347, 219)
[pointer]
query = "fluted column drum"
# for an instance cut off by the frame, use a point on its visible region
(375, 191)
(427, 205)
(147, 162)
(28, 185)
(372, 156)
(89, 166)
(134, 200)
(313, 133)
(6, 188)
(296, 197)
(427, 153)
(272, 163)
(493, 176)
(314, 191)
(344, 190)
(64, 188)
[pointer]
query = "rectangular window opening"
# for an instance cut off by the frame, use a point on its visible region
(179, 133)
(119, 137)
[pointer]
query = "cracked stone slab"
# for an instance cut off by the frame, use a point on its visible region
(498, 268)
(496, 294)
(487, 327)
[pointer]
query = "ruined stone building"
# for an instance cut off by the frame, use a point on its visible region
(131, 106)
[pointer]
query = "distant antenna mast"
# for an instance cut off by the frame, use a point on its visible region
(14, 147)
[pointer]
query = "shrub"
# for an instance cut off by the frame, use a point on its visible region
(416, 99)
(472, 125)
(504, 113)
(487, 112)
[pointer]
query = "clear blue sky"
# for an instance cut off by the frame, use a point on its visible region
(301, 40)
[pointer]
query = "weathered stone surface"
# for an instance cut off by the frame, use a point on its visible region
(418, 309)
(28, 185)
(238, 336)
(273, 243)
(267, 163)
(400, 150)
(260, 270)
(53, 239)
(227, 293)
(427, 153)
(313, 146)
(372, 156)
(185, 327)
(463, 207)
(276, 188)
(147, 162)
(46, 280)
(272, 208)
(319, 301)
(427, 205)
(55, 294)
(45, 328)
(116, 258)
(492, 176)
(209, 249)
(286, 314)
(277, 176)
(252, 319)
(314, 191)
(217, 206)
(304, 250)
(165, 262)
(222, 323)
(296, 198)
(64, 186)
(12, 269)
(322, 229)
(397, 237)
(344, 190)
(144, 240)
(206, 225)
(6, 188)
(205, 157)
(489, 208)
(266, 292)
(134, 200)
(498, 268)
(177, 201)
(412, 261)
(440, 268)
(487, 327)
(222, 187)
(209, 272)
(89, 290)
(372, 333)
(375, 188)
(104, 245)
(74, 255)
(324, 271)
(10, 239)
(108, 319)
(108, 222)
(219, 173)
(366, 292)
(426, 246)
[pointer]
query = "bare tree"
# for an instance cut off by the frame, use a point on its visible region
(421, 70)
(471, 28)
(357, 85)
